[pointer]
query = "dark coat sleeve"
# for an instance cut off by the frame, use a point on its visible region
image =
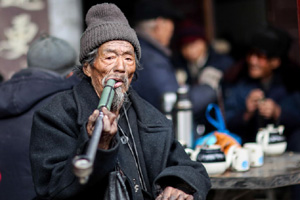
(56, 139)
(184, 174)
(166, 161)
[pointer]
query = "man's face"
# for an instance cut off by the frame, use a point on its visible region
(261, 67)
(115, 60)
(194, 50)
(164, 30)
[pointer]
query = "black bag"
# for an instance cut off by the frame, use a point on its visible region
(116, 188)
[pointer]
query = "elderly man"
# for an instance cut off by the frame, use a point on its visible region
(137, 140)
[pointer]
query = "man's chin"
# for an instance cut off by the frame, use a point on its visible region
(123, 88)
(255, 74)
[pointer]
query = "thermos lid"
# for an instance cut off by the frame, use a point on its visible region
(182, 93)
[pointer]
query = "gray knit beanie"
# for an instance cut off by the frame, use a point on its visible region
(51, 53)
(106, 22)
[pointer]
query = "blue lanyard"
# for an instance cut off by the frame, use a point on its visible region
(219, 123)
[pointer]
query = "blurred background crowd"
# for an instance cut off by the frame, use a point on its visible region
(242, 55)
(227, 25)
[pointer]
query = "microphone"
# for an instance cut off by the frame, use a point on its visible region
(83, 164)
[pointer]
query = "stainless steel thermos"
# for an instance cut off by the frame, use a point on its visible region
(183, 118)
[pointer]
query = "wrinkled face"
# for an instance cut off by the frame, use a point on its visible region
(261, 67)
(115, 60)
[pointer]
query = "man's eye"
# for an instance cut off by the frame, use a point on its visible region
(129, 58)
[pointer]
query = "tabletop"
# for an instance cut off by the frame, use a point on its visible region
(277, 171)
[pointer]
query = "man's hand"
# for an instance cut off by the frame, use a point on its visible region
(252, 101)
(171, 193)
(269, 109)
(110, 127)
(210, 76)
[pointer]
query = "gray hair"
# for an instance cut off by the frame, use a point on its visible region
(146, 25)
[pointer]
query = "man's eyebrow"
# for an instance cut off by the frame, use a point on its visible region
(128, 52)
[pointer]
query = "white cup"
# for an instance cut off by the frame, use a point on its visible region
(256, 154)
(240, 160)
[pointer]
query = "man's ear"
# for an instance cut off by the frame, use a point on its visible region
(275, 62)
(87, 69)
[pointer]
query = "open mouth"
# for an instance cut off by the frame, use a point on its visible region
(119, 82)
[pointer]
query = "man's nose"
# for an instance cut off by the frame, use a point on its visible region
(253, 59)
(120, 65)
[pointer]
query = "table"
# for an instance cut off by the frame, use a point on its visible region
(277, 171)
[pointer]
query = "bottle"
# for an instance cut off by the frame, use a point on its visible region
(183, 118)
(167, 105)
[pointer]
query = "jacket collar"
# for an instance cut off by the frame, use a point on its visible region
(86, 100)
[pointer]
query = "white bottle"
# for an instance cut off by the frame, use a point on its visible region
(183, 118)
(168, 101)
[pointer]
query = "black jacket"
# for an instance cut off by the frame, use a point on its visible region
(59, 134)
(20, 96)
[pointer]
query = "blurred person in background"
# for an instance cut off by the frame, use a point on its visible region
(202, 65)
(262, 90)
(155, 27)
(50, 60)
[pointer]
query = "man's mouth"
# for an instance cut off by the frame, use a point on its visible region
(119, 82)
(254, 67)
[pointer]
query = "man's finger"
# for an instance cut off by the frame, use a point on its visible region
(111, 116)
(106, 124)
(93, 117)
(167, 191)
(189, 197)
(91, 122)
(181, 197)
(159, 197)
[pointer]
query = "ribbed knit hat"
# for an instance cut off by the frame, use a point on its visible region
(106, 22)
(51, 53)
(189, 31)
